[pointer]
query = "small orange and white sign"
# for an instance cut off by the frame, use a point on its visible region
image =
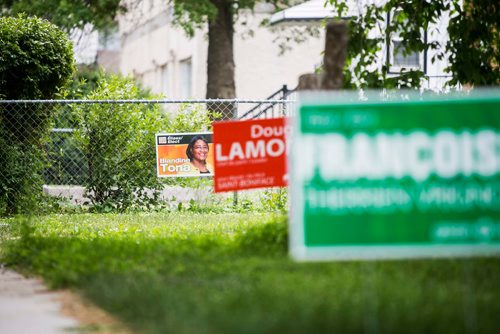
(184, 154)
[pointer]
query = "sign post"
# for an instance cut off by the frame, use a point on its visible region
(388, 179)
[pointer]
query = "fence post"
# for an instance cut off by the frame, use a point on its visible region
(235, 194)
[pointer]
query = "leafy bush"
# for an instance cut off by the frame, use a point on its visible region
(112, 151)
(36, 60)
(117, 140)
(67, 161)
(84, 81)
(275, 199)
(192, 118)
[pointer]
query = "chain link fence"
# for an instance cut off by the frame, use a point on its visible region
(103, 152)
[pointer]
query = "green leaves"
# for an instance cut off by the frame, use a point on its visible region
(36, 58)
(117, 141)
(473, 45)
(36, 61)
(191, 118)
(118, 146)
(194, 14)
(68, 14)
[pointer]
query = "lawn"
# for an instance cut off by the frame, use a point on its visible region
(229, 273)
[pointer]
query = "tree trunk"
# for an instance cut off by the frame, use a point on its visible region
(333, 61)
(220, 60)
(335, 55)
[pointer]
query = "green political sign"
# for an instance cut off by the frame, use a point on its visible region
(380, 177)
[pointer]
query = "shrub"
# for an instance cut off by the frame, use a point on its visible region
(192, 118)
(275, 199)
(117, 140)
(67, 162)
(36, 60)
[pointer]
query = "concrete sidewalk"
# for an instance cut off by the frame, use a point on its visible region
(27, 307)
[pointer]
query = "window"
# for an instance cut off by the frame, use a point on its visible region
(164, 84)
(185, 89)
(397, 59)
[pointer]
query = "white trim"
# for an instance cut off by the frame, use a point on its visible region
(314, 10)
(396, 69)
(349, 253)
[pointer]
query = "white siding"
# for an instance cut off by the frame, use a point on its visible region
(153, 50)
(153, 44)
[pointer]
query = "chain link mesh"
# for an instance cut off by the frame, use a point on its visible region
(101, 152)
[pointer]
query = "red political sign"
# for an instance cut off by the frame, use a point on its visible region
(250, 154)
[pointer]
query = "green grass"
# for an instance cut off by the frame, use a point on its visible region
(230, 273)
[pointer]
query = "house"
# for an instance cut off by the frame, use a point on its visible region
(93, 47)
(163, 58)
(310, 12)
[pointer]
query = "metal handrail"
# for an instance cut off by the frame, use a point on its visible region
(271, 101)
